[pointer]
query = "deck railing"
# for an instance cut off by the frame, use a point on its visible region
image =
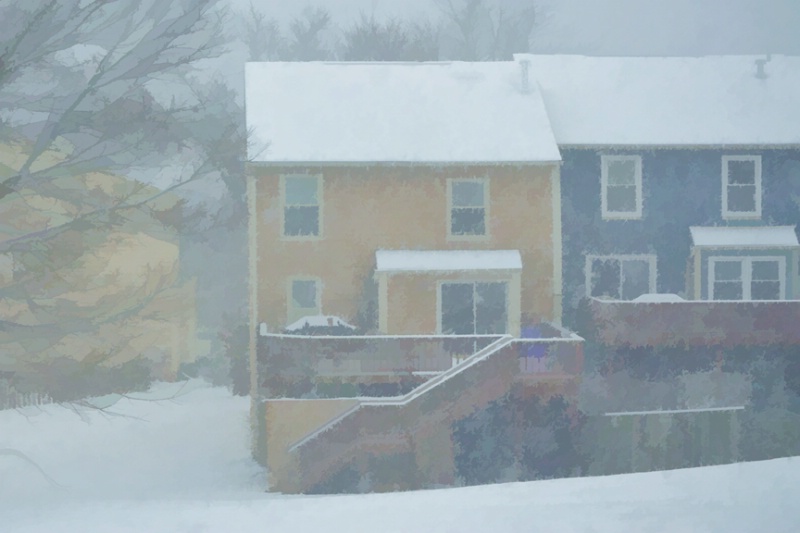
(550, 357)
(288, 363)
(10, 398)
(470, 384)
(695, 323)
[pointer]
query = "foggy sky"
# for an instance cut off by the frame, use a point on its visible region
(611, 27)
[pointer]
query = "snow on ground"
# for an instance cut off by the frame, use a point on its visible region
(184, 439)
(182, 465)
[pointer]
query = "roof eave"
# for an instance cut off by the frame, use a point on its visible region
(400, 163)
(445, 270)
(746, 246)
(666, 146)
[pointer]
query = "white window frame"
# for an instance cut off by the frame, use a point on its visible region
(726, 213)
(620, 215)
(651, 261)
(747, 274)
(295, 313)
(486, 212)
(320, 206)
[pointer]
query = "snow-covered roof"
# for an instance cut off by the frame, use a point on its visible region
(736, 236)
(435, 112)
(670, 101)
(446, 260)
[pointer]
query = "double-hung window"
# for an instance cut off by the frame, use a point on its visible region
(747, 278)
(302, 205)
(741, 187)
(304, 298)
(621, 186)
(468, 208)
(620, 277)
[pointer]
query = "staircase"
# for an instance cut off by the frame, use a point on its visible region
(331, 434)
(392, 425)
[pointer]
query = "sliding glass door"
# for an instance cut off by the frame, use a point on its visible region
(474, 308)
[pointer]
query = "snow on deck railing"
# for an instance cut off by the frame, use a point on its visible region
(444, 376)
(676, 411)
(651, 299)
(550, 330)
(365, 337)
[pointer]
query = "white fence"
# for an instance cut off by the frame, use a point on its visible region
(10, 398)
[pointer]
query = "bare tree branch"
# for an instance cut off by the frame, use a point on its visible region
(10, 452)
(105, 60)
(162, 48)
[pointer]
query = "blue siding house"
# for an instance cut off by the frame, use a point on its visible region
(680, 190)
(680, 178)
(623, 241)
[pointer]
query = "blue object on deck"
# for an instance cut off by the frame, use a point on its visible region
(533, 349)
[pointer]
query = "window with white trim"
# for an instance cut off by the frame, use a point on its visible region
(747, 278)
(621, 186)
(468, 207)
(620, 277)
(741, 186)
(302, 205)
(304, 298)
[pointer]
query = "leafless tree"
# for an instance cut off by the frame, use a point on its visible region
(425, 37)
(485, 30)
(263, 36)
(73, 68)
(369, 39)
(105, 122)
(305, 38)
(306, 42)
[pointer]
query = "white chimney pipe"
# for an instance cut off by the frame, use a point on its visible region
(760, 63)
(525, 65)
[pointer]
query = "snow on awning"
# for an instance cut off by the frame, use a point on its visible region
(751, 236)
(446, 260)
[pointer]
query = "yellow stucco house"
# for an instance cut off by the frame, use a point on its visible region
(418, 202)
(420, 178)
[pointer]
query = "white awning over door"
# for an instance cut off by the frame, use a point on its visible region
(446, 260)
